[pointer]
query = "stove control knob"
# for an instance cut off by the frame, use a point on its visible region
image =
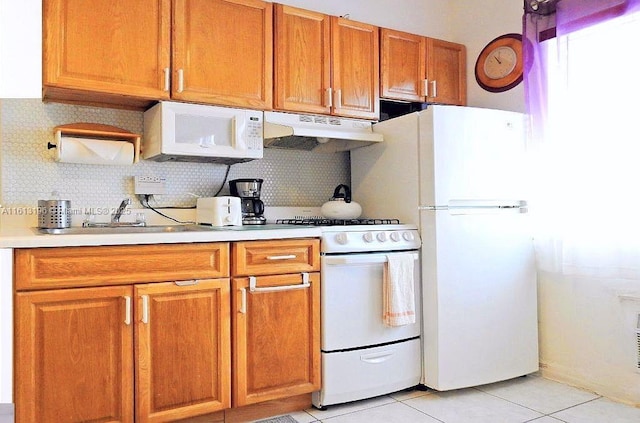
(408, 236)
(342, 238)
(368, 237)
(382, 236)
(395, 236)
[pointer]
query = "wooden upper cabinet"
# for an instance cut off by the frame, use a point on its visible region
(223, 52)
(110, 52)
(325, 64)
(183, 350)
(302, 59)
(446, 72)
(73, 359)
(403, 65)
(356, 63)
(417, 68)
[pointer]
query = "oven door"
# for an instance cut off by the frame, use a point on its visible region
(351, 302)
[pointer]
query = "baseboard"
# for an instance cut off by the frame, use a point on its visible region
(267, 409)
(562, 374)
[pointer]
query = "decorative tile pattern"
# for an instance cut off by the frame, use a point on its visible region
(30, 173)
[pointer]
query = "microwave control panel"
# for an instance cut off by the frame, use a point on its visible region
(253, 134)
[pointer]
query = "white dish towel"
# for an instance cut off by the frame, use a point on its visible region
(399, 304)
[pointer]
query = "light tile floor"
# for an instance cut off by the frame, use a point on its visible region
(527, 399)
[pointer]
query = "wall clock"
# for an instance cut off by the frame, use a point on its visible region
(499, 65)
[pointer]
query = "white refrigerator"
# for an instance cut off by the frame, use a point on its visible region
(459, 174)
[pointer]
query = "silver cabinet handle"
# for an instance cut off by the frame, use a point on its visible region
(338, 98)
(127, 310)
(145, 308)
(434, 89)
(329, 97)
(187, 283)
(285, 257)
(425, 87)
(167, 79)
(253, 282)
(243, 300)
(180, 80)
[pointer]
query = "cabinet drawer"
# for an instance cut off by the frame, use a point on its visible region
(44, 268)
(275, 257)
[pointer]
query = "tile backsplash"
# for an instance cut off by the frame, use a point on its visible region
(30, 173)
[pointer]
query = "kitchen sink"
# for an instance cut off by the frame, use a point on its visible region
(100, 230)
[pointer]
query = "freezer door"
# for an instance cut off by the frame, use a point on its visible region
(471, 153)
(480, 306)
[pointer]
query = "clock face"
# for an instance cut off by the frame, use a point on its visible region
(500, 62)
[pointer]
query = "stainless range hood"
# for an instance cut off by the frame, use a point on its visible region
(326, 134)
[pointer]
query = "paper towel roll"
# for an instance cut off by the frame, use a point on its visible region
(94, 151)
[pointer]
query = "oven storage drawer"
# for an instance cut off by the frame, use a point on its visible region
(369, 372)
(275, 257)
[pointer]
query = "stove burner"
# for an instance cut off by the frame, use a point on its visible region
(337, 222)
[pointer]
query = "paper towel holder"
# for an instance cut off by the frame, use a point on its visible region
(100, 131)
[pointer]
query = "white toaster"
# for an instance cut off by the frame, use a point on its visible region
(219, 211)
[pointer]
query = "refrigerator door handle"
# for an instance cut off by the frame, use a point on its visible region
(480, 206)
(486, 204)
(433, 208)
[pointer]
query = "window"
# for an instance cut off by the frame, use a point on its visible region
(587, 184)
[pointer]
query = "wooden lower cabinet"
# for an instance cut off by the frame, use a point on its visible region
(90, 346)
(73, 356)
(276, 337)
(182, 348)
(77, 362)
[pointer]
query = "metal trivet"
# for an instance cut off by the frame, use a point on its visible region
(338, 222)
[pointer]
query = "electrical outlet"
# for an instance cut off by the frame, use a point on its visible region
(149, 184)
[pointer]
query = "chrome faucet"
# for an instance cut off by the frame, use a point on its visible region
(115, 217)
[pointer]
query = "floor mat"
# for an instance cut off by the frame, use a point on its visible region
(280, 419)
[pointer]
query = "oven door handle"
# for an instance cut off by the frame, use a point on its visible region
(254, 288)
(359, 259)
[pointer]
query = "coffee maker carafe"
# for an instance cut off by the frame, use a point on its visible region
(249, 192)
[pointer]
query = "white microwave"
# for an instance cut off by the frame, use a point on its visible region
(199, 133)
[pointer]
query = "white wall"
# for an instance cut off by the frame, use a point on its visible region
(6, 326)
(424, 17)
(477, 23)
(587, 334)
(20, 49)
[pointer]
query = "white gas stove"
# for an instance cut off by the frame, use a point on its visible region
(351, 235)
(361, 357)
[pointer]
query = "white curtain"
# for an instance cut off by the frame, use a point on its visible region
(586, 197)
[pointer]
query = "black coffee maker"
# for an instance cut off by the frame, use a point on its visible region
(249, 192)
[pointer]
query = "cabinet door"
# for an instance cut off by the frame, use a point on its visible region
(402, 65)
(302, 60)
(276, 338)
(446, 72)
(222, 52)
(183, 349)
(116, 47)
(355, 61)
(73, 355)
